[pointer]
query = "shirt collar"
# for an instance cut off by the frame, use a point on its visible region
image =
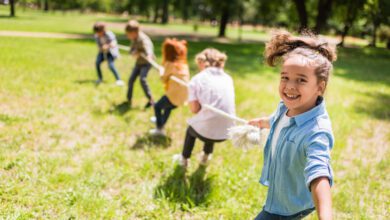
(300, 119)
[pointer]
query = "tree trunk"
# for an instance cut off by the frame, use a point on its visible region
(186, 5)
(165, 15)
(344, 34)
(302, 13)
(351, 15)
(224, 20)
(156, 11)
(38, 3)
(323, 12)
(46, 5)
(373, 41)
(12, 8)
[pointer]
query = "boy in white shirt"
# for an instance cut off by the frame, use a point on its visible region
(212, 86)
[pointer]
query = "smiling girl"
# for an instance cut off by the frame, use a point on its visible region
(296, 166)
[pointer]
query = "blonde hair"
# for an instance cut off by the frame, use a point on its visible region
(211, 57)
(317, 51)
(132, 26)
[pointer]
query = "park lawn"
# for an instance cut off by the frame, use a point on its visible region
(69, 150)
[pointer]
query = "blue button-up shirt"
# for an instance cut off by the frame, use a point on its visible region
(302, 154)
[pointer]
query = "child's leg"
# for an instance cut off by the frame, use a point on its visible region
(167, 110)
(162, 110)
(133, 77)
(189, 143)
(99, 60)
(144, 73)
(208, 147)
(158, 108)
(110, 60)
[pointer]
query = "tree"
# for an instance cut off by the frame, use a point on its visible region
(324, 9)
(302, 13)
(350, 10)
(165, 14)
(225, 13)
(12, 8)
(378, 12)
(185, 6)
(46, 5)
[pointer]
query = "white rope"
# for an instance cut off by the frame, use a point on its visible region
(243, 136)
(123, 47)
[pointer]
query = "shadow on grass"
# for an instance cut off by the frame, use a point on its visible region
(377, 106)
(364, 64)
(120, 109)
(148, 141)
(85, 81)
(189, 191)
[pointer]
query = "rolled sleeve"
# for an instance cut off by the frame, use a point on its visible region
(148, 46)
(111, 37)
(318, 158)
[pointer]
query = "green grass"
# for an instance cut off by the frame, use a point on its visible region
(68, 150)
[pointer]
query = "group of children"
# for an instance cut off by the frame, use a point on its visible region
(296, 167)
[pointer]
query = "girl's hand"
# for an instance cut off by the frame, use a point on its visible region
(105, 47)
(260, 122)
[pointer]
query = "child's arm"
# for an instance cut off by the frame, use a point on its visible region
(320, 190)
(148, 47)
(165, 73)
(318, 172)
(260, 122)
(112, 42)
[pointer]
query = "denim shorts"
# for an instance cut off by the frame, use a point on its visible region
(264, 215)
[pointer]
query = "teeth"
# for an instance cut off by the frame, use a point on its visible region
(291, 96)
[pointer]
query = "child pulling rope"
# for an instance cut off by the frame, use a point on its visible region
(243, 136)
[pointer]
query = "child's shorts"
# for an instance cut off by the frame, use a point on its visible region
(264, 215)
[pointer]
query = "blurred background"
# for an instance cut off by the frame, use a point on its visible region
(365, 21)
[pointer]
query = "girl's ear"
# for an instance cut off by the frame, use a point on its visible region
(321, 87)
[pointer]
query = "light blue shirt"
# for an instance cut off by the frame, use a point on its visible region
(302, 154)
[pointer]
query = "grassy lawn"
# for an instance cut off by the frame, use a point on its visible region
(68, 150)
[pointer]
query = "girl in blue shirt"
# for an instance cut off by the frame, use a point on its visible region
(297, 152)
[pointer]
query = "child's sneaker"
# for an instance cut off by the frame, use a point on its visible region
(157, 132)
(119, 83)
(205, 158)
(180, 160)
(98, 82)
(153, 119)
